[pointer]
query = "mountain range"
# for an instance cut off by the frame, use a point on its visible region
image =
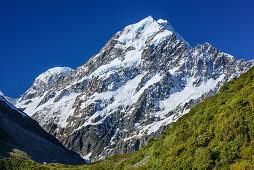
(217, 133)
(143, 80)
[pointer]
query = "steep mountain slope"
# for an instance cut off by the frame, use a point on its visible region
(142, 80)
(9, 99)
(217, 133)
(19, 131)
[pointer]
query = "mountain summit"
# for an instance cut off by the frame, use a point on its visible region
(143, 79)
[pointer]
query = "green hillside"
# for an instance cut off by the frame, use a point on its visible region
(21, 163)
(216, 134)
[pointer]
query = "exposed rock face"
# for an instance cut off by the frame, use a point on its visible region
(19, 131)
(141, 81)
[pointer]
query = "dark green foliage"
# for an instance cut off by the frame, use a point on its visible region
(18, 163)
(15, 163)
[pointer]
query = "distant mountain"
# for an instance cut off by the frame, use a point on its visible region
(218, 133)
(18, 131)
(144, 79)
(9, 99)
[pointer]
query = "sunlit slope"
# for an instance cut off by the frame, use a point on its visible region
(217, 133)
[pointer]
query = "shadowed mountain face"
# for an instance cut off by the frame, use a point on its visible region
(19, 131)
(141, 81)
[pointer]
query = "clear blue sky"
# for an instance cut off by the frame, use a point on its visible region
(36, 35)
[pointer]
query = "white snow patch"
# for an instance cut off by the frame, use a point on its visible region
(132, 58)
(63, 71)
(162, 21)
(173, 70)
(188, 93)
(87, 157)
(156, 78)
(166, 24)
(135, 35)
(160, 37)
(60, 110)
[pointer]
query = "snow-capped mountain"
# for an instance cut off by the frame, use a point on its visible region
(46, 81)
(141, 81)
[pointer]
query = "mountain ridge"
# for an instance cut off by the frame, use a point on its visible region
(118, 99)
(19, 131)
(216, 134)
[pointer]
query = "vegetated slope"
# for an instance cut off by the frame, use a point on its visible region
(141, 81)
(17, 163)
(217, 133)
(21, 136)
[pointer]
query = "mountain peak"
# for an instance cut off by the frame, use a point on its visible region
(167, 26)
(147, 19)
(162, 21)
(46, 80)
(61, 71)
(135, 35)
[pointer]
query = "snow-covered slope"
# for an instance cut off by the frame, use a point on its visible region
(46, 81)
(51, 75)
(140, 82)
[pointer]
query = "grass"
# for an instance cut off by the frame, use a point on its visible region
(21, 163)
